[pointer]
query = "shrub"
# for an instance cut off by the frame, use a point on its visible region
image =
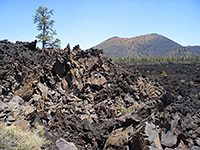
(122, 109)
(163, 74)
(12, 138)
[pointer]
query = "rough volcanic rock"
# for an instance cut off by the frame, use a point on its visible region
(64, 145)
(88, 100)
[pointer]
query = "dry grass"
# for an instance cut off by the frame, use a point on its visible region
(12, 138)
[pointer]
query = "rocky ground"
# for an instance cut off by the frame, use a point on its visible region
(86, 101)
(182, 80)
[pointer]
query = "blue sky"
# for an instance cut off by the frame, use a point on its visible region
(89, 22)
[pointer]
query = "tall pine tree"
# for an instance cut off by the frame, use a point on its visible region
(44, 23)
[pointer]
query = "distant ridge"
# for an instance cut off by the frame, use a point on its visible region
(152, 45)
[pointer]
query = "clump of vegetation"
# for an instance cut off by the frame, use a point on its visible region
(12, 138)
(163, 74)
(122, 109)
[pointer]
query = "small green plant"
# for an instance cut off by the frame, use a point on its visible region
(13, 138)
(122, 109)
(163, 74)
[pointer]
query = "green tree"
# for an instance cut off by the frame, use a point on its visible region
(44, 23)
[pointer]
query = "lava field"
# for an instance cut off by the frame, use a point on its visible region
(84, 100)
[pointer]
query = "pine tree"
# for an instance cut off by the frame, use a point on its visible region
(44, 23)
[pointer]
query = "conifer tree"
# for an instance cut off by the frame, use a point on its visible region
(44, 23)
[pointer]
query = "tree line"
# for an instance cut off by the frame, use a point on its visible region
(157, 59)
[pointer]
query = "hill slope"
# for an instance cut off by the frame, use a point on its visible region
(147, 45)
(188, 51)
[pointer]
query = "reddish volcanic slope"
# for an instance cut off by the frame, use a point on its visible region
(145, 45)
